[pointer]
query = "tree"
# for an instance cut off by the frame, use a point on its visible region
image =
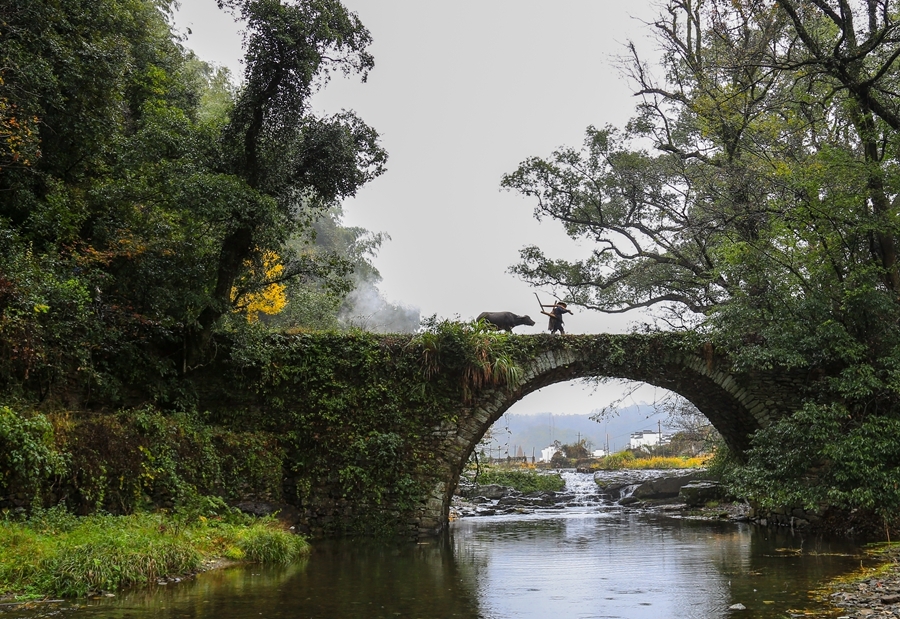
(754, 198)
(566, 453)
(345, 294)
(364, 306)
(270, 298)
(660, 220)
(275, 145)
(828, 43)
(113, 110)
(18, 139)
(692, 431)
(766, 196)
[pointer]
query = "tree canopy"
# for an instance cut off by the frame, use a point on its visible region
(756, 183)
(144, 196)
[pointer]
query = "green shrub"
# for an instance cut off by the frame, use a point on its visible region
(125, 558)
(261, 545)
(523, 481)
(616, 461)
(57, 519)
(132, 459)
(825, 455)
(28, 457)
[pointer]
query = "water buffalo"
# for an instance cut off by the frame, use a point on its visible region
(505, 320)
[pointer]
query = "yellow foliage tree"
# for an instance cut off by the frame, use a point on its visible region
(19, 144)
(271, 298)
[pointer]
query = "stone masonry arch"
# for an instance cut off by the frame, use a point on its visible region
(737, 404)
(376, 429)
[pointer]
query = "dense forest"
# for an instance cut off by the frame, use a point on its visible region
(150, 202)
(146, 200)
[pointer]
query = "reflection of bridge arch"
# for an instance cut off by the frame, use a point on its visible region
(737, 404)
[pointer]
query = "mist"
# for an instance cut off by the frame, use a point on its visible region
(365, 307)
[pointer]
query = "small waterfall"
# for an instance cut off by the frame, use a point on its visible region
(581, 492)
(627, 491)
(582, 487)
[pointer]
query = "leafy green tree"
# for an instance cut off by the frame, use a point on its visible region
(826, 456)
(113, 111)
(364, 305)
(345, 294)
(567, 453)
(751, 192)
(757, 211)
(753, 197)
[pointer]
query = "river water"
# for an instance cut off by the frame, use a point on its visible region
(590, 560)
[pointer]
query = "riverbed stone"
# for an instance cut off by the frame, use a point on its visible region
(698, 493)
(509, 500)
(663, 487)
(491, 491)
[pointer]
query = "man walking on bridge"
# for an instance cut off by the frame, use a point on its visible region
(556, 317)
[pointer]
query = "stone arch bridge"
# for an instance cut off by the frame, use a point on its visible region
(377, 431)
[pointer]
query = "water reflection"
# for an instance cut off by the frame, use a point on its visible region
(582, 563)
(613, 566)
(340, 579)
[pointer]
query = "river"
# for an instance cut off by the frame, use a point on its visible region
(590, 560)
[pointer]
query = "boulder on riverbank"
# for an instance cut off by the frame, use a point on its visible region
(682, 493)
(701, 492)
(489, 491)
(667, 487)
(632, 486)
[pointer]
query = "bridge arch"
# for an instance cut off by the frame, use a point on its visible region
(737, 404)
(376, 430)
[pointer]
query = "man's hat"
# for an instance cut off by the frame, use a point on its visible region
(561, 304)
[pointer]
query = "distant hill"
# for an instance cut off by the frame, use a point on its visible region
(535, 432)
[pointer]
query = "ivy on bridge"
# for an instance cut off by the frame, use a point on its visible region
(377, 429)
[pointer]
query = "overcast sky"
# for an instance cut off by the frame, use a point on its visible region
(461, 93)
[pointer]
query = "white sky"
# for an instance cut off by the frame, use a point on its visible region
(461, 93)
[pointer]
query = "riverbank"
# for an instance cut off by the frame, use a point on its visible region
(872, 592)
(55, 554)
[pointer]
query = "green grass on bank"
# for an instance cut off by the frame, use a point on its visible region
(55, 553)
(523, 480)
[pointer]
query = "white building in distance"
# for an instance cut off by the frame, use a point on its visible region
(547, 454)
(647, 438)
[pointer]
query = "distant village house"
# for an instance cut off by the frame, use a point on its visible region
(547, 454)
(647, 438)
